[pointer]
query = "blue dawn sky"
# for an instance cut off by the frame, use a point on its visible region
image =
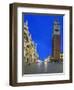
(41, 28)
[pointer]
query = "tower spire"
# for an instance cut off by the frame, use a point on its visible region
(56, 27)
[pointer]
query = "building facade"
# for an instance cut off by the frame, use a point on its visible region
(30, 48)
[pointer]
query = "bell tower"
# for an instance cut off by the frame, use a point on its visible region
(56, 41)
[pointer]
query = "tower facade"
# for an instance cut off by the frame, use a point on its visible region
(56, 41)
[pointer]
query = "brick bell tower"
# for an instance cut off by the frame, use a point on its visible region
(56, 41)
